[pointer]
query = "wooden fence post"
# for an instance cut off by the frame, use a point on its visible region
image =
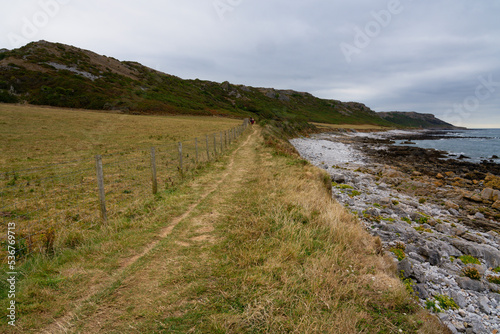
(196, 147)
(154, 180)
(100, 183)
(208, 151)
(221, 143)
(180, 158)
(215, 144)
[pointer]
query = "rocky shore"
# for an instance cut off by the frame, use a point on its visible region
(438, 217)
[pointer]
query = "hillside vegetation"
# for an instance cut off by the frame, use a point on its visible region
(415, 120)
(59, 75)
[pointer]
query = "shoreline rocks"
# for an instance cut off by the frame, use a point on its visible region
(440, 225)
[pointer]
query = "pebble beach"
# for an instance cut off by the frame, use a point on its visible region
(437, 217)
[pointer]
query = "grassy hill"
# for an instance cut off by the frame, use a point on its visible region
(415, 120)
(54, 74)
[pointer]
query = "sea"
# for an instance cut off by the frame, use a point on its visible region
(475, 144)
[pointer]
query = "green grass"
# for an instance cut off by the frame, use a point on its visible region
(468, 259)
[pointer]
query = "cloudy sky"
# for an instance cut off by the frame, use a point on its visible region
(440, 56)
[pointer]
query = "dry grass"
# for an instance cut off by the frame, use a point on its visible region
(48, 181)
(36, 136)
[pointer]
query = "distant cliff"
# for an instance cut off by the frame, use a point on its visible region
(415, 120)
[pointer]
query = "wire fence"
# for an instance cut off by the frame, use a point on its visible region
(44, 208)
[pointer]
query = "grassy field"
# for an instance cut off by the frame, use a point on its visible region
(48, 180)
(36, 136)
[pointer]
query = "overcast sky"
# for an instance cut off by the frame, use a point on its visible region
(440, 56)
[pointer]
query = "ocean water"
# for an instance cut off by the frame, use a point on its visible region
(477, 144)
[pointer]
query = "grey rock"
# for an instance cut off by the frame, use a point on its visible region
(484, 306)
(491, 255)
(459, 298)
(488, 253)
(478, 327)
(434, 257)
(374, 212)
(406, 267)
(493, 287)
(443, 316)
(339, 178)
(415, 256)
(454, 212)
(479, 215)
(450, 326)
(470, 284)
(444, 228)
(421, 291)
(415, 216)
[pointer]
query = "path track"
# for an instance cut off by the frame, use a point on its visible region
(97, 311)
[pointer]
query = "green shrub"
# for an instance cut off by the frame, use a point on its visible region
(440, 303)
(400, 254)
(446, 302)
(497, 270)
(468, 259)
(6, 97)
(422, 229)
(423, 220)
(472, 273)
(494, 279)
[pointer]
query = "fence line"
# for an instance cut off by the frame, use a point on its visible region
(81, 196)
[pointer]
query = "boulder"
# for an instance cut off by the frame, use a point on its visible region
(476, 198)
(451, 205)
(392, 173)
(339, 178)
(459, 298)
(496, 195)
(434, 258)
(496, 205)
(405, 267)
(488, 253)
(439, 176)
(470, 284)
(479, 215)
(421, 291)
(484, 305)
(487, 194)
